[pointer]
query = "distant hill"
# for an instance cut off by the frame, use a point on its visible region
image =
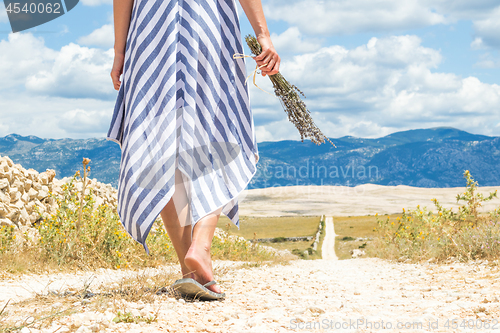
(435, 157)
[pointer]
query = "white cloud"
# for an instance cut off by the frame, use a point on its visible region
(21, 56)
(386, 85)
(352, 16)
(53, 117)
(103, 37)
(487, 60)
(478, 44)
(84, 122)
(54, 93)
(487, 30)
(73, 71)
(292, 40)
(462, 9)
(342, 17)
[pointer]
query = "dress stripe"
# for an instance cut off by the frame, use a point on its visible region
(183, 105)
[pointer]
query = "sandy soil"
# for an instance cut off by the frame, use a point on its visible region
(357, 295)
(349, 201)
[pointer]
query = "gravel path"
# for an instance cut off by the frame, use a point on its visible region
(323, 294)
(328, 248)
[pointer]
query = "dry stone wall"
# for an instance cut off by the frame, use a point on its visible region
(23, 191)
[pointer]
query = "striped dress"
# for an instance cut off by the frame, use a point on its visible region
(182, 105)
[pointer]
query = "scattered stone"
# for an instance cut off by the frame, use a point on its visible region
(356, 253)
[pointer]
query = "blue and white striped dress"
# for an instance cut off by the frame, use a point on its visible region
(183, 104)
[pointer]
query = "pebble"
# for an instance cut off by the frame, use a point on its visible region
(275, 298)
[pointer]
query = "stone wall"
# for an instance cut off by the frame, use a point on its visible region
(21, 190)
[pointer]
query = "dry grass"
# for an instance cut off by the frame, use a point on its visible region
(349, 228)
(279, 226)
(273, 226)
(42, 310)
(422, 235)
(82, 236)
(143, 287)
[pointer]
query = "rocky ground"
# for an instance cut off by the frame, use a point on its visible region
(357, 295)
(315, 295)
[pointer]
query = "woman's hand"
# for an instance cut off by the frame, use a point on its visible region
(268, 56)
(117, 70)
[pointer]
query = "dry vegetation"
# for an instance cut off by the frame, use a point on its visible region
(420, 234)
(85, 236)
(279, 227)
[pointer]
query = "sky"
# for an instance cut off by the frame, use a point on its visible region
(368, 68)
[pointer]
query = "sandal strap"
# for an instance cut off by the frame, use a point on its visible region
(209, 283)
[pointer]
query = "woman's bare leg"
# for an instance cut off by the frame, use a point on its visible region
(194, 255)
(179, 235)
(197, 258)
(175, 216)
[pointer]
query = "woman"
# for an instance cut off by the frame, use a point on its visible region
(183, 119)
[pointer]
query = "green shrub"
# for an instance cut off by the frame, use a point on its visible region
(466, 234)
(278, 240)
(83, 234)
(7, 238)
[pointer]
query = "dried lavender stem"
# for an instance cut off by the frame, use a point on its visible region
(288, 94)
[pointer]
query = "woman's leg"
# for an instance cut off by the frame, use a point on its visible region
(175, 217)
(194, 255)
(198, 257)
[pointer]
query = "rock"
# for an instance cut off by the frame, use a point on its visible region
(25, 193)
(27, 184)
(14, 215)
(4, 197)
(14, 194)
(95, 327)
(6, 175)
(32, 175)
(18, 184)
(83, 329)
(33, 217)
(24, 218)
(43, 193)
(357, 253)
(315, 309)
(32, 193)
(9, 161)
(18, 204)
(6, 222)
(44, 178)
(37, 186)
(3, 209)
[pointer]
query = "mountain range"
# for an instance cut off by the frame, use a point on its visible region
(433, 157)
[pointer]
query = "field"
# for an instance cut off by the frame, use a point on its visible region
(278, 226)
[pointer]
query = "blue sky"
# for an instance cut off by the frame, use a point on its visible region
(368, 68)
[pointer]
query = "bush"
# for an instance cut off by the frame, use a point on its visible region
(83, 234)
(6, 238)
(421, 234)
(278, 240)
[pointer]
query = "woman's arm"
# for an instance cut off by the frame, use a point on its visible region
(122, 12)
(255, 14)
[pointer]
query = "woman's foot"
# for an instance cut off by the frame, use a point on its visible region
(198, 261)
